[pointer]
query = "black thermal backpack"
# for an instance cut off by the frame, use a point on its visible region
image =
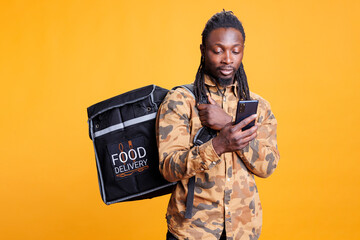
(122, 129)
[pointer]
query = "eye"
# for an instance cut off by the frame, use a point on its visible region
(217, 51)
(237, 51)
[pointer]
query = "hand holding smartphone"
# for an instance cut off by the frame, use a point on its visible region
(246, 109)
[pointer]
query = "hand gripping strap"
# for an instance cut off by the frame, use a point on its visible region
(202, 136)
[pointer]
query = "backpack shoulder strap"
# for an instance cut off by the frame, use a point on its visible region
(188, 87)
(202, 136)
(191, 89)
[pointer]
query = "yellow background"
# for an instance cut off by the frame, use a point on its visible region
(59, 57)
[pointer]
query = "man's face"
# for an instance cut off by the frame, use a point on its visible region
(223, 52)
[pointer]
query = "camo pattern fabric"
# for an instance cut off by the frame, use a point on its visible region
(225, 195)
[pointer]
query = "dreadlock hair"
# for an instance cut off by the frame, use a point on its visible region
(224, 19)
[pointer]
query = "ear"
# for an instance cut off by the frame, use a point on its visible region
(202, 50)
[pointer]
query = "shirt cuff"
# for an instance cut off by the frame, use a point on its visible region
(209, 157)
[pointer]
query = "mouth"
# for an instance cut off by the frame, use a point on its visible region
(226, 71)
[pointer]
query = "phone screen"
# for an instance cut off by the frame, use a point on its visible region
(246, 109)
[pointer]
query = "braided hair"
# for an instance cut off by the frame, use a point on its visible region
(224, 19)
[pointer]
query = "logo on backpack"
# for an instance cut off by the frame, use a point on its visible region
(128, 157)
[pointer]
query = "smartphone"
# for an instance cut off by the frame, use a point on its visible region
(246, 109)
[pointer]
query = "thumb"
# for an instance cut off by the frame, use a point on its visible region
(211, 101)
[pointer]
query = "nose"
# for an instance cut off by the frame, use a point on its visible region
(227, 58)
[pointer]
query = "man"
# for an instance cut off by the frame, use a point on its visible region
(226, 202)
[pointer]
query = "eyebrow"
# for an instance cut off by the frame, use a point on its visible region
(235, 45)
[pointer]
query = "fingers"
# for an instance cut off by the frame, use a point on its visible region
(203, 119)
(204, 111)
(247, 140)
(207, 109)
(244, 138)
(245, 122)
(252, 136)
(236, 140)
(245, 134)
(202, 106)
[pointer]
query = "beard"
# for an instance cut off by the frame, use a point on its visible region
(223, 82)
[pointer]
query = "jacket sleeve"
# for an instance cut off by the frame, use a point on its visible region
(178, 157)
(261, 156)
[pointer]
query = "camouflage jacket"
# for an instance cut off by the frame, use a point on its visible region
(225, 191)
